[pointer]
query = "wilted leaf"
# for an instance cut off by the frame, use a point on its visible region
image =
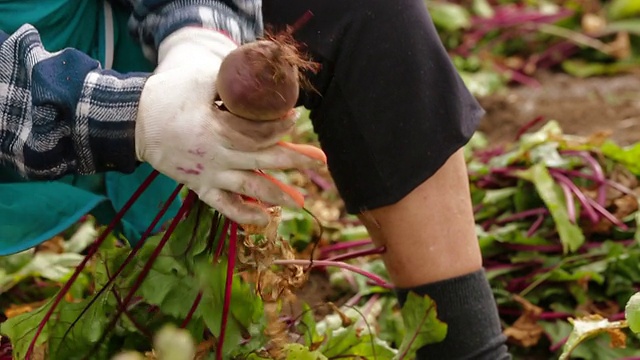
(525, 331)
(590, 326)
(82, 238)
(54, 245)
(52, 266)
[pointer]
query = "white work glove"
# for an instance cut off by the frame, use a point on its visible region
(182, 134)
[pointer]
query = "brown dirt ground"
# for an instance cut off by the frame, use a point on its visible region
(581, 106)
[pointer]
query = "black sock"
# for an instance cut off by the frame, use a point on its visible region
(467, 305)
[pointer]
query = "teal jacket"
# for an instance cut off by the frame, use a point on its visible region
(71, 74)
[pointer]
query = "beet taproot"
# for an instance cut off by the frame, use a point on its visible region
(261, 80)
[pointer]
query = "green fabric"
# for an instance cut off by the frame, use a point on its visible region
(62, 23)
(33, 212)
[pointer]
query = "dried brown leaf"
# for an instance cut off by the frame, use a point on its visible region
(54, 245)
(525, 331)
(618, 338)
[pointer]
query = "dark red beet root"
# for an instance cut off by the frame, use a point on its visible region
(261, 80)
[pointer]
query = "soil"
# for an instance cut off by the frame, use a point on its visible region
(581, 106)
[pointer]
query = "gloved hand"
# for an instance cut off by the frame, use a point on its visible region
(182, 134)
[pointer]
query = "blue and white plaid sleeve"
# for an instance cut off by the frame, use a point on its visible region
(153, 20)
(60, 113)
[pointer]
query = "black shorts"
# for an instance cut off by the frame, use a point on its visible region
(391, 107)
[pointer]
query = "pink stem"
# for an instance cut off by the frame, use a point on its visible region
(375, 278)
(317, 179)
(535, 226)
(571, 204)
(92, 251)
(233, 239)
(223, 237)
(344, 245)
(609, 216)
(597, 172)
(129, 257)
(359, 253)
(192, 310)
(588, 208)
(184, 209)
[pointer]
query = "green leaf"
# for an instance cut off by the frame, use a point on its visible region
(76, 345)
(632, 313)
(372, 347)
(627, 156)
(191, 236)
(297, 227)
(619, 9)
(307, 326)
(495, 196)
(390, 324)
(167, 285)
(483, 8)
(583, 69)
(21, 329)
(84, 335)
(354, 342)
(299, 352)
(482, 83)
(245, 309)
(628, 25)
(571, 235)
(448, 16)
(354, 233)
(547, 154)
(422, 325)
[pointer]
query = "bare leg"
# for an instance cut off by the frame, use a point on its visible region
(429, 234)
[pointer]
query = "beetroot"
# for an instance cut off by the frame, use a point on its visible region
(261, 80)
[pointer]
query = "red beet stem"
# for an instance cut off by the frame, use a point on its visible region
(92, 250)
(126, 262)
(231, 262)
(193, 309)
(221, 239)
(184, 209)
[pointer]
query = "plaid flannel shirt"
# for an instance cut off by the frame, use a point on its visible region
(61, 113)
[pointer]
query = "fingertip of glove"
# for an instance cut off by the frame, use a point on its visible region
(293, 194)
(307, 150)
